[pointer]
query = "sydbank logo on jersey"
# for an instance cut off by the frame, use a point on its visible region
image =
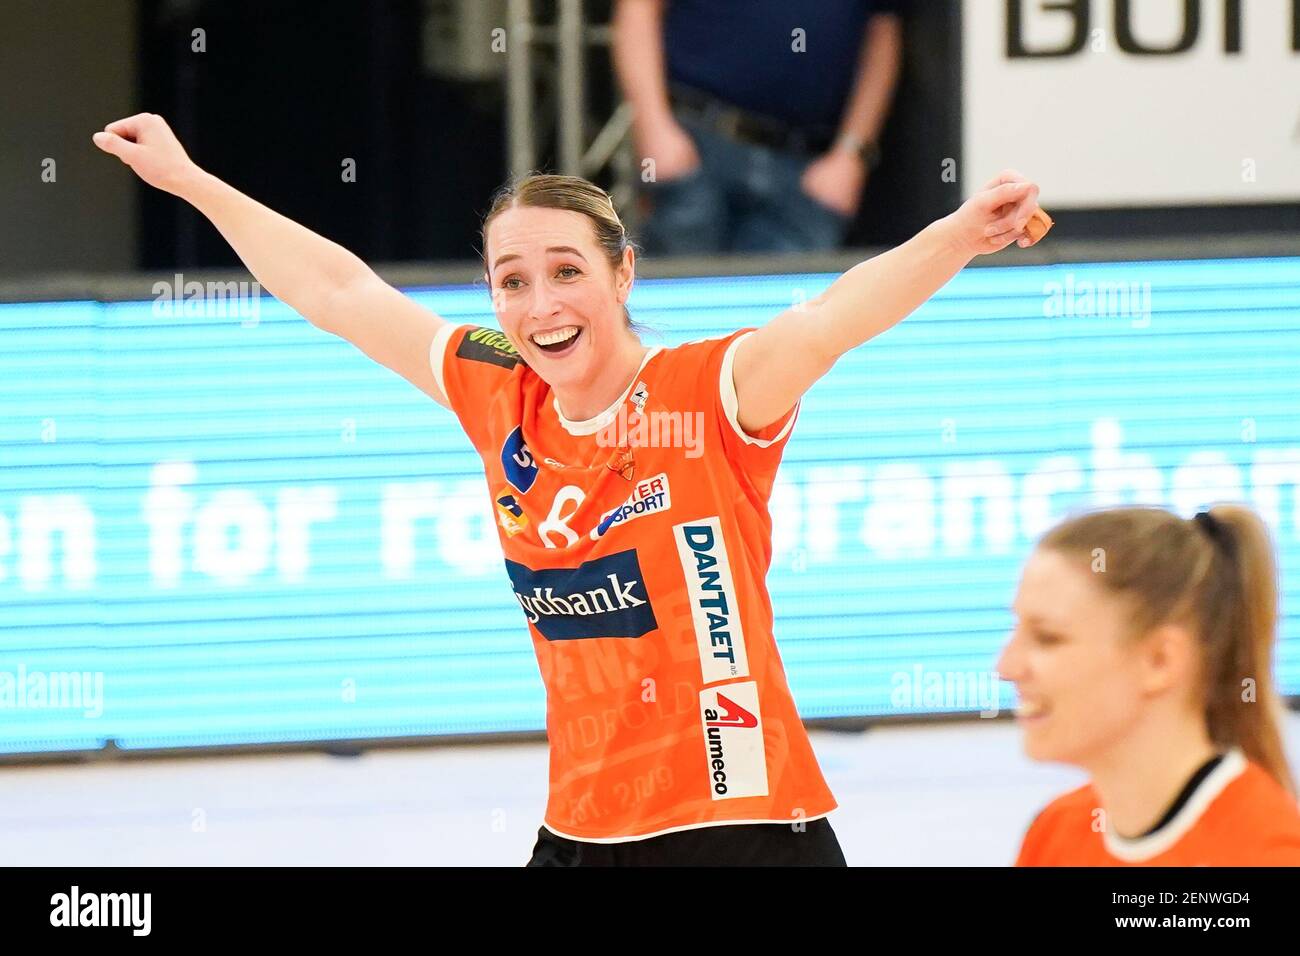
(605, 597)
(715, 605)
(648, 497)
(733, 741)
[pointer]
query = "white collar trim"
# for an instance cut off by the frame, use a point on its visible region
(1137, 849)
(592, 425)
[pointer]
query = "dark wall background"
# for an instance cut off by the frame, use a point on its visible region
(907, 191)
(285, 92)
(67, 67)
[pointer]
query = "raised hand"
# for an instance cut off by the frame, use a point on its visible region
(146, 143)
(998, 215)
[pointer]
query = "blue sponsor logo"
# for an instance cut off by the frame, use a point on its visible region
(609, 520)
(633, 509)
(648, 497)
(517, 460)
(605, 597)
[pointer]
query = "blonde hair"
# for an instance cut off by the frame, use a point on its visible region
(1216, 575)
(572, 193)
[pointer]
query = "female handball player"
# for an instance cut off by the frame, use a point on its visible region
(1143, 653)
(638, 562)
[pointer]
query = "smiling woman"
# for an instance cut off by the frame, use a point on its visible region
(560, 266)
(640, 565)
(1143, 653)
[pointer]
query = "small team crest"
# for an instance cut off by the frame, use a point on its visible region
(509, 512)
(623, 463)
(639, 396)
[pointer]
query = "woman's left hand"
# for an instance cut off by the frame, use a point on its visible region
(836, 180)
(996, 216)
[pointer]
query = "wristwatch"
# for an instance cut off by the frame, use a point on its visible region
(868, 151)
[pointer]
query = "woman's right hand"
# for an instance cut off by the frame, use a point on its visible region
(147, 144)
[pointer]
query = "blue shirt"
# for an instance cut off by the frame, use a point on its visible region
(742, 51)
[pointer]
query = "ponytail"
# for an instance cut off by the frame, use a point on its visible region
(1243, 707)
(1216, 575)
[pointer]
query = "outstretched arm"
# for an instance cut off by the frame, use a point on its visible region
(317, 278)
(780, 361)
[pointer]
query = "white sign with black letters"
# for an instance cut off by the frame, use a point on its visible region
(1134, 102)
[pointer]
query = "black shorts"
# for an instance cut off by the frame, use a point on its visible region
(742, 844)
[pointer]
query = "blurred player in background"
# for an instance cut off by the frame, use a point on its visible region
(1143, 653)
(639, 565)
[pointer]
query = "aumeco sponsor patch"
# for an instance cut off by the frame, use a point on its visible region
(488, 345)
(733, 741)
(714, 602)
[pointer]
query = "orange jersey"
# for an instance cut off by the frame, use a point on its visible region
(637, 544)
(1237, 816)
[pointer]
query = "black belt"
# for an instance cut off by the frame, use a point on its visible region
(740, 124)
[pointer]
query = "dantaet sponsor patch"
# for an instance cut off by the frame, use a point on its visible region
(715, 607)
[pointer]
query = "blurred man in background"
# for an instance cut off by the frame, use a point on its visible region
(755, 121)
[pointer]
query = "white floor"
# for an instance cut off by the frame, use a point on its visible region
(955, 794)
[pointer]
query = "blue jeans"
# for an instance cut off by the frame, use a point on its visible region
(741, 198)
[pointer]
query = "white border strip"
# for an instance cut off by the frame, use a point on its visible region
(592, 425)
(689, 826)
(727, 386)
(438, 355)
(1137, 849)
